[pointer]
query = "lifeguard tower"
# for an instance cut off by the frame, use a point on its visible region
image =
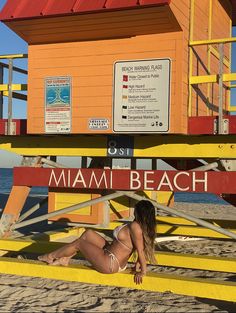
(108, 79)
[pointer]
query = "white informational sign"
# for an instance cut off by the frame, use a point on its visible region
(141, 96)
(57, 105)
(98, 124)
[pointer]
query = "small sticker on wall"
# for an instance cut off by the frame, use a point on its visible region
(98, 124)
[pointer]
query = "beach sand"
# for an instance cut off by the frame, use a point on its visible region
(32, 294)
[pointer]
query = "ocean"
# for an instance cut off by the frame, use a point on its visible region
(6, 178)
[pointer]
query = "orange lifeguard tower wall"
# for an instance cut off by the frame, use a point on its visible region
(83, 40)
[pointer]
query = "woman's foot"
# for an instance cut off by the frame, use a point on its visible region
(46, 258)
(64, 261)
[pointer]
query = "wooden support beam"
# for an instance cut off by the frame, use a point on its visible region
(205, 147)
(190, 261)
(213, 289)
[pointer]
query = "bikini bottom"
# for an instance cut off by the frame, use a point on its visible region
(113, 259)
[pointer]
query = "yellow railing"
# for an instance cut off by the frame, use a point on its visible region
(223, 61)
(8, 90)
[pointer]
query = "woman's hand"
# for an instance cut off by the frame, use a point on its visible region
(138, 277)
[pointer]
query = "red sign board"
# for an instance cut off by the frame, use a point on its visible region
(178, 181)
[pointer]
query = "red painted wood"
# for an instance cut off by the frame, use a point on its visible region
(113, 4)
(58, 7)
(187, 181)
(149, 2)
(202, 125)
(88, 5)
(20, 126)
(34, 8)
(26, 9)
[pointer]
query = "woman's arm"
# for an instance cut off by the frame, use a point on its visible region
(137, 239)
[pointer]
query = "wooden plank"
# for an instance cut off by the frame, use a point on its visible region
(221, 290)
(155, 180)
(191, 261)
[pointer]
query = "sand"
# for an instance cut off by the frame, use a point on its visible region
(27, 294)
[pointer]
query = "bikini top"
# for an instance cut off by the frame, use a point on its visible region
(116, 233)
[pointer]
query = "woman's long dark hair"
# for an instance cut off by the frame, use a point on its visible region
(145, 216)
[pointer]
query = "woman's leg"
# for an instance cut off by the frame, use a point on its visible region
(65, 253)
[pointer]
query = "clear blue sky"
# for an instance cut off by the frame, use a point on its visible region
(10, 43)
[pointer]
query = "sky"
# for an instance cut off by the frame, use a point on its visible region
(10, 43)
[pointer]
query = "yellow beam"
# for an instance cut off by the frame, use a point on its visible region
(182, 221)
(16, 87)
(208, 263)
(59, 234)
(190, 72)
(193, 43)
(232, 109)
(221, 290)
(202, 262)
(193, 146)
(14, 56)
(182, 230)
(189, 231)
(229, 77)
(152, 146)
(194, 80)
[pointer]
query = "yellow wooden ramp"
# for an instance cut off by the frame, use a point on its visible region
(184, 260)
(221, 290)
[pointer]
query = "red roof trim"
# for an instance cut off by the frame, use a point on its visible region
(84, 6)
(28, 9)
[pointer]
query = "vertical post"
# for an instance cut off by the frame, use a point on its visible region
(191, 29)
(1, 95)
(209, 53)
(221, 68)
(10, 77)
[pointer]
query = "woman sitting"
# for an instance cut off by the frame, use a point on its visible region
(137, 236)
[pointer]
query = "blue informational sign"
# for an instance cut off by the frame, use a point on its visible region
(58, 95)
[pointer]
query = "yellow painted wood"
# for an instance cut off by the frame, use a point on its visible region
(210, 263)
(63, 200)
(202, 262)
(182, 221)
(190, 71)
(202, 79)
(229, 77)
(232, 109)
(182, 230)
(190, 231)
(58, 234)
(152, 146)
(16, 87)
(209, 54)
(221, 290)
(165, 197)
(194, 146)
(193, 43)
(14, 56)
